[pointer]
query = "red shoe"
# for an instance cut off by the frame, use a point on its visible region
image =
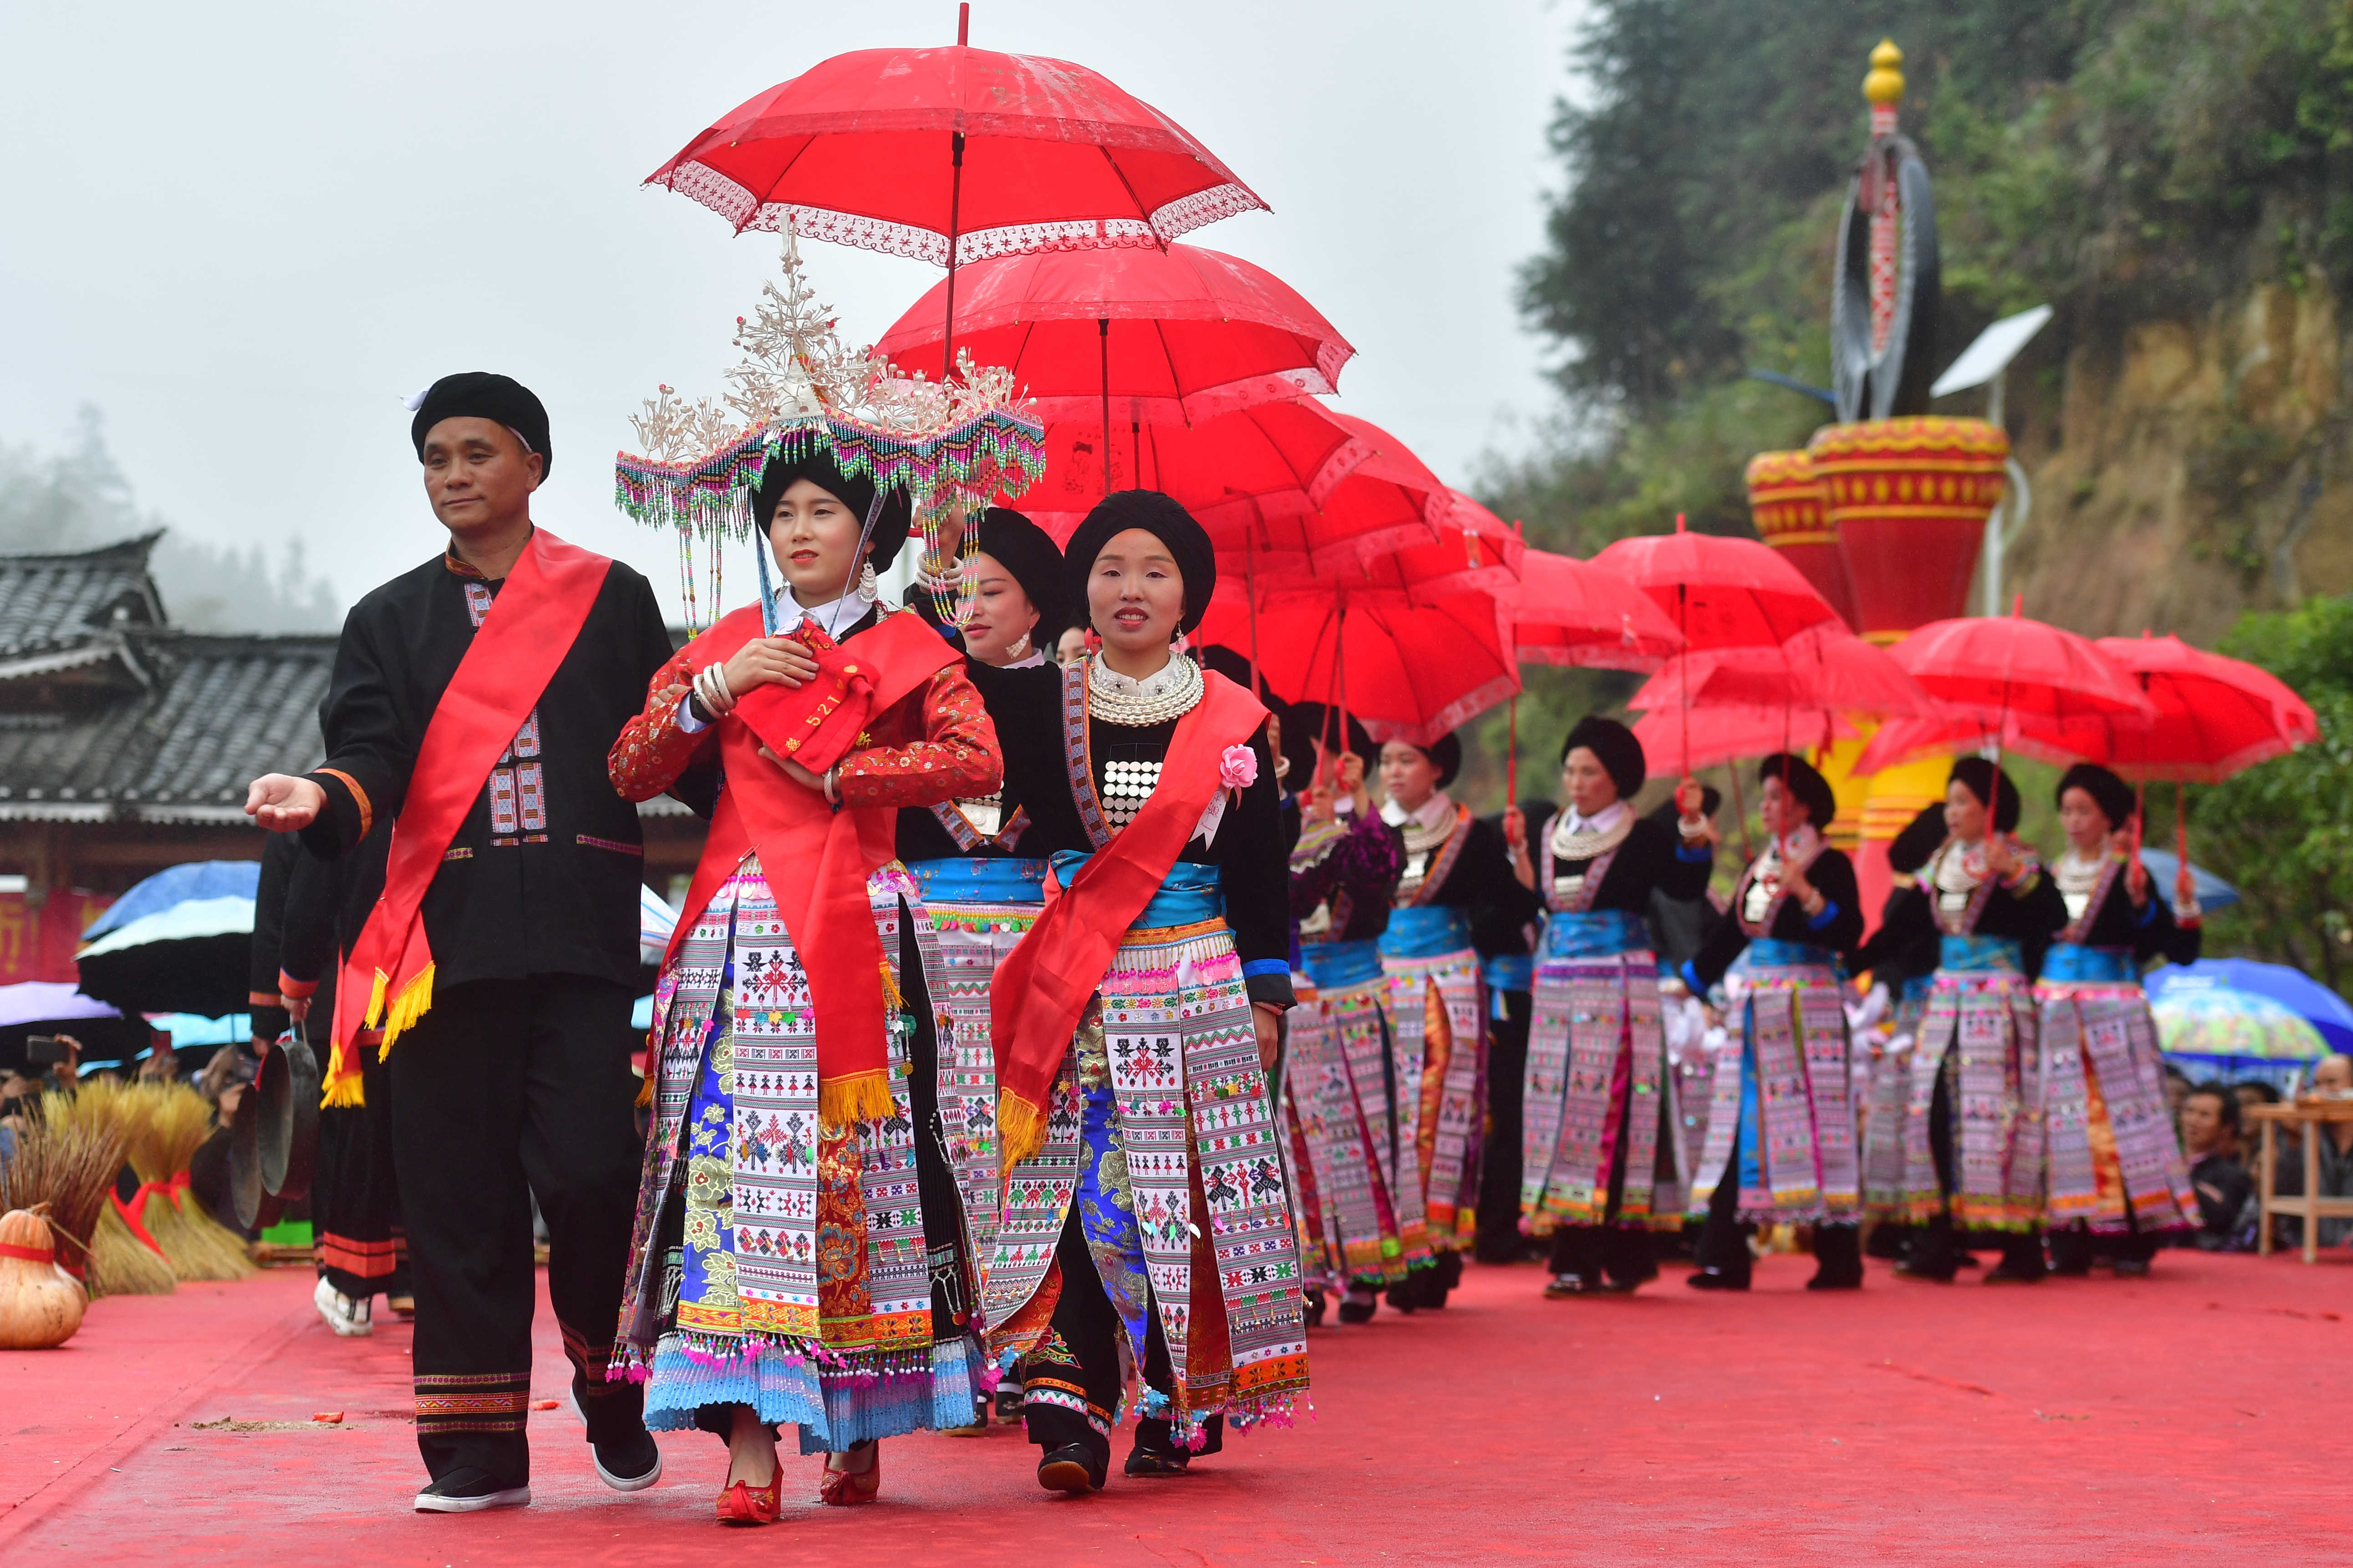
(743, 1503)
(847, 1488)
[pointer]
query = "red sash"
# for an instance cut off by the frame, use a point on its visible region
(816, 859)
(1044, 984)
(530, 628)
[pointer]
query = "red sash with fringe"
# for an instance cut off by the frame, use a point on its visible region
(1044, 984)
(531, 624)
(816, 859)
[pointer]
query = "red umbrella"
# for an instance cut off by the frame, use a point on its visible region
(1131, 337)
(2211, 718)
(1992, 667)
(1714, 735)
(1720, 592)
(1292, 485)
(1408, 671)
(1573, 612)
(952, 155)
(1826, 668)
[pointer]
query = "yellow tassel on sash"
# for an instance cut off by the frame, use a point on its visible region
(1021, 1126)
(343, 1089)
(646, 1090)
(860, 1097)
(892, 997)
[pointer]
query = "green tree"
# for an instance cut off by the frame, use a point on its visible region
(2283, 833)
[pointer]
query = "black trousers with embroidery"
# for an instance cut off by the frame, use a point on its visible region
(1622, 1253)
(1936, 1246)
(1082, 1368)
(1500, 1240)
(506, 1091)
(355, 1196)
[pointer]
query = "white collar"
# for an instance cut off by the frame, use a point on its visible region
(831, 617)
(1437, 809)
(1601, 821)
(1168, 677)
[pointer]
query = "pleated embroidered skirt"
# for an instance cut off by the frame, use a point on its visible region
(2111, 1159)
(1787, 1090)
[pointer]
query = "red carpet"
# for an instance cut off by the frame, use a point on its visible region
(2074, 1422)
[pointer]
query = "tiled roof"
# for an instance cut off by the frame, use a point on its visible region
(220, 711)
(52, 603)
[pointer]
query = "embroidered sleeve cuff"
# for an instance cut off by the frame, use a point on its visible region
(1695, 852)
(1690, 972)
(261, 999)
(1821, 921)
(289, 986)
(2148, 913)
(2024, 882)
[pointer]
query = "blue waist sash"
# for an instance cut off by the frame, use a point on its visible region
(1426, 931)
(1509, 972)
(1916, 987)
(1334, 965)
(1977, 954)
(1595, 935)
(1188, 895)
(2104, 965)
(1771, 952)
(979, 879)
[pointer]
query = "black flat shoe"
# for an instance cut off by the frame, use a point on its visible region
(1835, 1283)
(1149, 1462)
(1311, 1307)
(1356, 1308)
(2004, 1274)
(469, 1491)
(1406, 1298)
(629, 1463)
(1932, 1273)
(2132, 1268)
(1714, 1279)
(1072, 1469)
(1560, 1287)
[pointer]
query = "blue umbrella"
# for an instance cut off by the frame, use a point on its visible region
(178, 885)
(2268, 987)
(2213, 893)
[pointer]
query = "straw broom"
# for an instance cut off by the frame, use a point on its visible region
(120, 1263)
(70, 1167)
(177, 1122)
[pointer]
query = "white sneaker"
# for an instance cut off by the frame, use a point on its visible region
(350, 1318)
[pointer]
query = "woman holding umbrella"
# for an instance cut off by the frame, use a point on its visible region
(1599, 1119)
(1342, 871)
(1967, 1151)
(1456, 900)
(2112, 1165)
(1781, 1133)
(1146, 1250)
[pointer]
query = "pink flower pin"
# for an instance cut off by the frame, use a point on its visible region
(1237, 768)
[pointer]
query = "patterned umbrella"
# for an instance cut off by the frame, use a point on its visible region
(2226, 1012)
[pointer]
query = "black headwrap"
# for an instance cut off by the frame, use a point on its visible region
(1614, 745)
(1445, 754)
(1160, 516)
(2109, 792)
(855, 491)
(1986, 781)
(1805, 785)
(1230, 665)
(1319, 722)
(1030, 554)
(483, 395)
(1909, 850)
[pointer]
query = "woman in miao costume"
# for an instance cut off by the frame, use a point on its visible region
(1970, 1138)
(2113, 1169)
(800, 1253)
(1456, 898)
(1781, 1124)
(1603, 1157)
(1146, 1254)
(1905, 972)
(983, 883)
(1343, 1070)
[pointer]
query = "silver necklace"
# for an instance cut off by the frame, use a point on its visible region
(1142, 706)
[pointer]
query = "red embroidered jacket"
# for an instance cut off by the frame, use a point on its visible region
(935, 743)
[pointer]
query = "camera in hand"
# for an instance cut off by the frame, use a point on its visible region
(47, 1050)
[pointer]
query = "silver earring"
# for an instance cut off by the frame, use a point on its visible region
(868, 589)
(1018, 648)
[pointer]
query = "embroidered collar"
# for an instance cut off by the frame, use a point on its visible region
(1437, 811)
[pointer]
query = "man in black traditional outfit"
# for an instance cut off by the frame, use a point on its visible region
(474, 700)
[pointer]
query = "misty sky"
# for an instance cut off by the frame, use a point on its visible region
(246, 232)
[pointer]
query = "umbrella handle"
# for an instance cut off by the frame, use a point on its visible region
(1512, 758)
(955, 215)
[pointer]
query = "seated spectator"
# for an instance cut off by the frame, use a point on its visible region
(2333, 1075)
(2177, 1090)
(2210, 1139)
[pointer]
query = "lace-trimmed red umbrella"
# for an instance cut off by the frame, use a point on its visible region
(951, 155)
(1825, 667)
(1720, 592)
(1577, 613)
(1723, 734)
(1130, 337)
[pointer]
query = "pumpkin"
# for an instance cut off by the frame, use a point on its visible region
(40, 1305)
